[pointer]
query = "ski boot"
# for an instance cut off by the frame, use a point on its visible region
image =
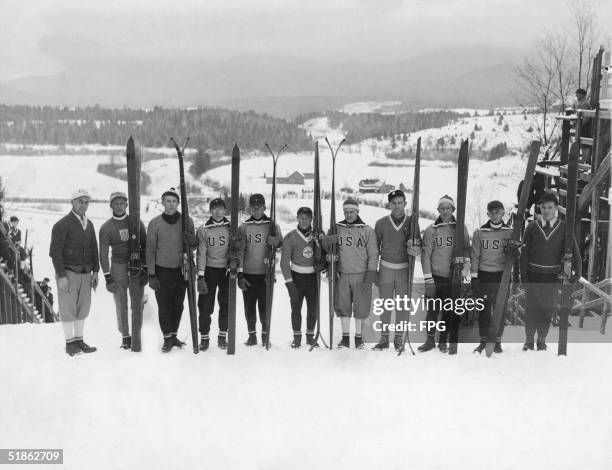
(310, 341)
(528, 346)
(345, 343)
(481, 347)
(72, 348)
(398, 342)
(86, 348)
(297, 342)
(204, 343)
(251, 340)
(443, 347)
(382, 344)
(126, 343)
(498, 348)
(428, 345)
(167, 346)
(177, 342)
(222, 341)
(542, 346)
(359, 344)
(452, 349)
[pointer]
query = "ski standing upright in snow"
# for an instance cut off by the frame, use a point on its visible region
(317, 236)
(459, 242)
(510, 250)
(271, 250)
(234, 250)
(414, 227)
(568, 252)
(136, 263)
(189, 273)
(333, 252)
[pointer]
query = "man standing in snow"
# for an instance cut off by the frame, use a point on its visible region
(254, 238)
(164, 250)
(395, 243)
(436, 260)
(213, 273)
(297, 265)
(541, 262)
(74, 252)
(357, 263)
(115, 234)
(489, 246)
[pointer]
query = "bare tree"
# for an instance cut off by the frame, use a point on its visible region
(545, 82)
(583, 13)
(559, 62)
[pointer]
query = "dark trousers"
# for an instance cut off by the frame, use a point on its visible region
(450, 321)
(489, 286)
(216, 278)
(307, 289)
(255, 298)
(541, 290)
(170, 298)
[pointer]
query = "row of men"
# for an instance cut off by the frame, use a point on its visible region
(365, 256)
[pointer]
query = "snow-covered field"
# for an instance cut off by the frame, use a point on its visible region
(289, 408)
(293, 409)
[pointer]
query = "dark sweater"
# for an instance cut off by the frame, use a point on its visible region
(543, 253)
(72, 247)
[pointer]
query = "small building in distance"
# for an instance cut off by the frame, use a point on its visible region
(374, 186)
(294, 178)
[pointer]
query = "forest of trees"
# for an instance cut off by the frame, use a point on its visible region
(372, 125)
(215, 129)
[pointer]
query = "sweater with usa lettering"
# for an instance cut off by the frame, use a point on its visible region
(213, 244)
(488, 245)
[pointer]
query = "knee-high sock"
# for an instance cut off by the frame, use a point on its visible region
(68, 327)
(79, 326)
(346, 325)
(358, 325)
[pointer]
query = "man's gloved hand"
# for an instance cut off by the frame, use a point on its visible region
(190, 238)
(94, 280)
(293, 290)
(329, 241)
(274, 241)
(202, 287)
(430, 287)
(371, 277)
(513, 246)
(476, 289)
(110, 283)
(243, 283)
(154, 283)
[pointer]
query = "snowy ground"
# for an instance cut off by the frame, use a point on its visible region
(285, 408)
(293, 409)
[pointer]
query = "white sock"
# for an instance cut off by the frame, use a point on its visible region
(79, 326)
(68, 327)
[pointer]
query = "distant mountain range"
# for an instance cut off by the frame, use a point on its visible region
(280, 86)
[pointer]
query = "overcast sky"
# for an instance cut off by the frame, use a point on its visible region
(37, 35)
